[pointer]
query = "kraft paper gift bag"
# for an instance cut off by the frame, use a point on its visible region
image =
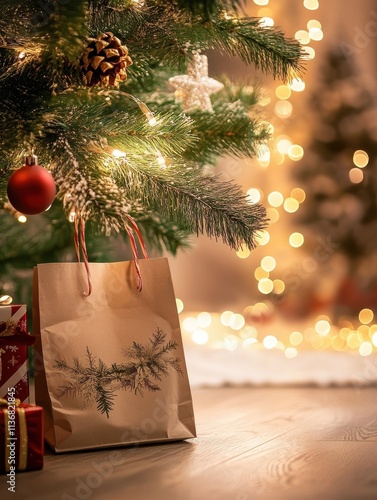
(109, 366)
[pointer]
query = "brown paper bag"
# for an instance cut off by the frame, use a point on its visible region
(110, 368)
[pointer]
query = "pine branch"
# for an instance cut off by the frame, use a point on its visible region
(203, 204)
(206, 8)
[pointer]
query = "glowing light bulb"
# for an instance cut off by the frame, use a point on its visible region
(322, 327)
(268, 263)
(283, 109)
(270, 342)
(190, 324)
(365, 349)
(311, 4)
(243, 253)
(265, 286)
(275, 199)
(295, 152)
(199, 336)
(264, 157)
(283, 92)
(291, 205)
(296, 338)
(309, 53)
(253, 196)
(266, 22)
(283, 145)
(297, 85)
(296, 240)
(204, 319)
(290, 352)
(117, 153)
(302, 36)
(262, 238)
(360, 158)
(72, 216)
(226, 317)
(316, 34)
(298, 194)
(22, 218)
(180, 305)
(261, 2)
(366, 316)
(237, 321)
(356, 175)
(279, 286)
(313, 23)
(21, 55)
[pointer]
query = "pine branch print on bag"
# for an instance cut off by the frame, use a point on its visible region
(93, 381)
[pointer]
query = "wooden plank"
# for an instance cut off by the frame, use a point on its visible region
(253, 443)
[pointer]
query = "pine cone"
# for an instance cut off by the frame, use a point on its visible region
(105, 61)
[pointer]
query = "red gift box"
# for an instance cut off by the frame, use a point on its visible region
(21, 436)
(14, 342)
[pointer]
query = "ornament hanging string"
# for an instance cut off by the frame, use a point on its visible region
(79, 240)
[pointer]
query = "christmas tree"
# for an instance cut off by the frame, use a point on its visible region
(341, 203)
(87, 87)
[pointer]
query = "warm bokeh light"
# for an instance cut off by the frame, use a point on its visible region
(296, 240)
(296, 338)
(262, 238)
(279, 286)
(309, 53)
(225, 317)
(297, 85)
(243, 253)
(298, 194)
(236, 322)
(200, 336)
(180, 305)
(283, 92)
(275, 199)
(283, 109)
(366, 316)
(204, 319)
(302, 36)
(356, 175)
(360, 158)
(272, 215)
(189, 324)
(261, 274)
(265, 286)
(365, 349)
(117, 153)
(268, 263)
(316, 34)
(22, 218)
(266, 22)
(291, 205)
(253, 195)
(322, 327)
(290, 352)
(295, 152)
(313, 23)
(283, 144)
(230, 343)
(311, 4)
(261, 2)
(270, 341)
(264, 157)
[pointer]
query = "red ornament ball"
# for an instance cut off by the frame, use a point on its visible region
(31, 189)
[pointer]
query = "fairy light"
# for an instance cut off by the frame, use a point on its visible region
(354, 340)
(297, 84)
(296, 338)
(180, 305)
(160, 159)
(270, 341)
(268, 263)
(283, 92)
(236, 322)
(313, 23)
(263, 238)
(265, 286)
(295, 152)
(296, 240)
(253, 196)
(204, 319)
(272, 215)
(302, 36)
(200, 336)
(243, 253)
(249, 342)
(366, 316)
(261, 273)
(266, 22)
(72, 216)
(322, 327)
(190, 324)
(22, 218)
(225, 317)
(374, 339)
(360, 158)
(311, 4)
(309, 53)
(298, 194)
(275, 199)
(283, 144)
(5, 300)
(279, 286)
(261, 2)
(316, 34)
(21, 55)
(365, 349)
(291, 205)
(290, 352)
(264, 157)
(230, 343)
(117, 153)
(283, 109)
(356, 175)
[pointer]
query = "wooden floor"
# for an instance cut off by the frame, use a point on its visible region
(303, 443)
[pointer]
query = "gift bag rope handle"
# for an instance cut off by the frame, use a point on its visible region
(79, 240)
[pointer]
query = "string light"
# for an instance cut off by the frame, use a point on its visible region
(360, 158)
(356, 175)
(279, 286)
(311, 4)
(268, 263)
(275, 199)
(302, 36)
(316, 34)
(266, 22)
(22, 218)
(283, 92)
(313, 23)
(297, 84)
(366, 316)
(296, 240)
(200, 336)
(270, 342)
(117, 153)
(283, 109)
(180, 305)
(243, 253)
(204, 319)
(298, 194)
(309, 53)
(283, 144)
(261, 2)
(262, 238)
(253, 196)
(291, 205)
(21, 55)
(295, 152)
